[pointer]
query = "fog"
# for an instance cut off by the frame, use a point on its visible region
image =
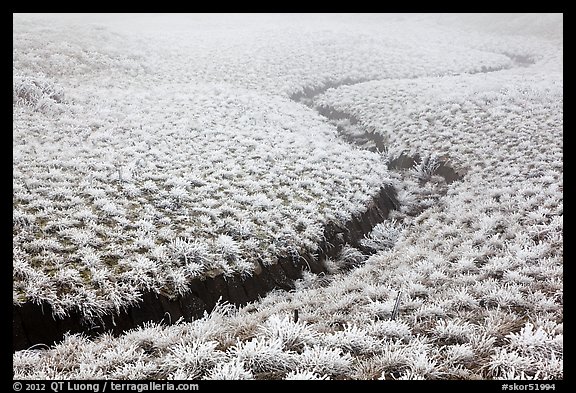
(547, 25)
(383, 192)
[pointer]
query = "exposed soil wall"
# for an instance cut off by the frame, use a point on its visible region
(405, 161)
(34, 324)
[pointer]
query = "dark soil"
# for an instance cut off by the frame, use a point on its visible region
(35, 324)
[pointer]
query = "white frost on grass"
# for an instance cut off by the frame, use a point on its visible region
(383, 235)
(231, 370)
(164, 180)
(305, 375)
(479, 267)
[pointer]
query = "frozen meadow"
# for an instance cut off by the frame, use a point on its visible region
(149, 151)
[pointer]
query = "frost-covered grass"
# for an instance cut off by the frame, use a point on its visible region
(119, 190)
(477, 264)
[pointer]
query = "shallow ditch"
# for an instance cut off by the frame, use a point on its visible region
(352, 131)
(521, 60)
(34, 324)
(442, 168)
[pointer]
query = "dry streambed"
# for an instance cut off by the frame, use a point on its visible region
(35, 324)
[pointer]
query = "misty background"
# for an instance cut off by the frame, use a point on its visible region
(544, 25)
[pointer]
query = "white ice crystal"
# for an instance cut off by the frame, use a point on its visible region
(304, 375)
(193, 358)
(263, 355)
(293, 335)
(146, 155)
(232, 370)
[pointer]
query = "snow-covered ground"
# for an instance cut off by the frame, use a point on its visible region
(125, 134)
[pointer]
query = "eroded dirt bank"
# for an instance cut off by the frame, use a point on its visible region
(34, 323)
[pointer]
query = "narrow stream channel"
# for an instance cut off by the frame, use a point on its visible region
(34, 324)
